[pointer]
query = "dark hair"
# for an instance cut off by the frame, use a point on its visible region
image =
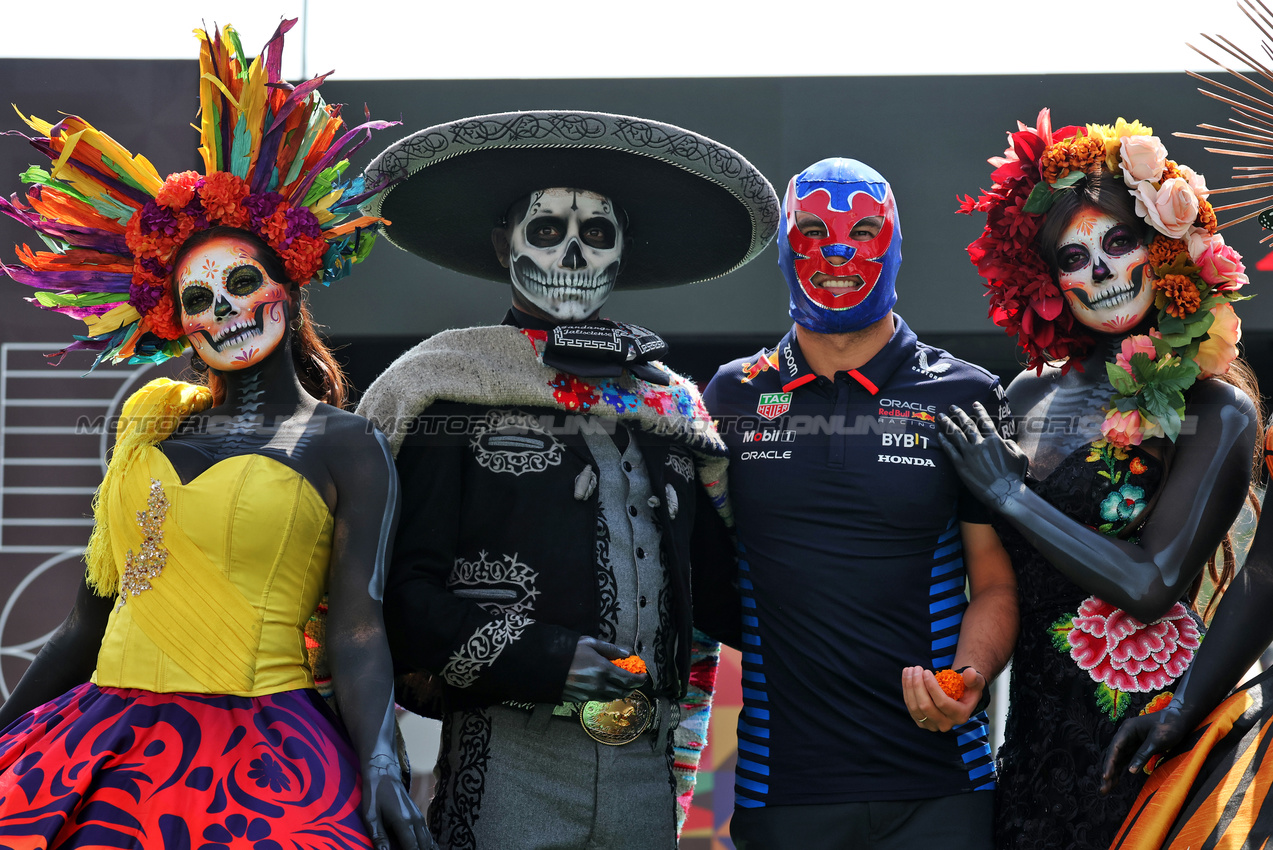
(320, 374)
(1101, 190)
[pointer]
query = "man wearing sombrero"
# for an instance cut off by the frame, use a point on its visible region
(557, 479)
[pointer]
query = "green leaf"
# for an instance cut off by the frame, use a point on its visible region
(1119, 379)
(1103, 473)
(1168, 325)
(1143, 367)
(1060, 631)
(1198, 327)
(1177, 340)
(1170, 424)
(1069, 180)
(1111, 701)
(1040, 200)
(1126, 404)
(1178, 374)
(1161, 346)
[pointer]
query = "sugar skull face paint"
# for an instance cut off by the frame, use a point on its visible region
(233, 312)
(564, 252)
(841, 248)
(1101, 264)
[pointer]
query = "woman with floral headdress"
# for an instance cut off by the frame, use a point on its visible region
(175, 706)
(1135, 426)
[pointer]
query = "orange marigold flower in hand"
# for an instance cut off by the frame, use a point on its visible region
(633, 664)
(952, 683)
(1163, 250)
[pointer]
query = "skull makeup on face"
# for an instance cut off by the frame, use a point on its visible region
(232, 311)
(1101, 265)
(841, 247)
(564, 252)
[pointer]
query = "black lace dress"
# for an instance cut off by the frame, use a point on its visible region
(1080, 666)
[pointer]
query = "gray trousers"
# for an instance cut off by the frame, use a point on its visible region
(510, 779)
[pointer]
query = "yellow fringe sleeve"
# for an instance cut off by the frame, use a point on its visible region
(149, 416)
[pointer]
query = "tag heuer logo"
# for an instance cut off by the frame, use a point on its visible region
(773, 405)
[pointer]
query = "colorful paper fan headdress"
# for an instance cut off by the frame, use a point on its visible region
(273, 156)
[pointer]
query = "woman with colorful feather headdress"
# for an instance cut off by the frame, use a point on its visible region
(176, 704)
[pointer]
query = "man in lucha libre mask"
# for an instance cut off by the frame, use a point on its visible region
(555, 475)
(857, 540)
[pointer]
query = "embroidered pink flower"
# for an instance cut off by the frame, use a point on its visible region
(1141, 158)
(1171, 208)
(1133, 345)
(1220, 348)
(1120, 651)
(661, 402)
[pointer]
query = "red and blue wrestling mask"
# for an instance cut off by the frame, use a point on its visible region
(841, 247)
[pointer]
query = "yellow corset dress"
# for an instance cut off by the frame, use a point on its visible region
(217, 577)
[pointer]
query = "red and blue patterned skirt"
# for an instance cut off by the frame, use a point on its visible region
(125, 768)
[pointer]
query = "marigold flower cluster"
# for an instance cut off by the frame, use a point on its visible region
(1080, 153)
(633, 664)
(188, 203)
(951, 681)
(1182, 294)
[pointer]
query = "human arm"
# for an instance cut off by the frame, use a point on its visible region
(66, 660)
(986, 635)
(1240, 631)
(358, 652)
(481, 637)
(1198, 501)
(714, 574)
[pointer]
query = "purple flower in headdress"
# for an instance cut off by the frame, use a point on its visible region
(157, 219)
(143, 297)
(302, 222)
(261, 207)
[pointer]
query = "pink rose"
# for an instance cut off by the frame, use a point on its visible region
(1220, 347)
(1142, 158)
(1195, 180)
(1128, 429)
(1133, 345)
(1219, 264)
(1171, 208)
(1120, 651)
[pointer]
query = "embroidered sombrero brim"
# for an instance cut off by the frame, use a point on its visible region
(696, 209)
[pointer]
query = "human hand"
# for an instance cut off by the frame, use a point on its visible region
(593, 676)
(1141, 738)
(385, 802)
(991, 467)
(930, 707)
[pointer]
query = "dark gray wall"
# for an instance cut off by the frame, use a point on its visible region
(930, 136)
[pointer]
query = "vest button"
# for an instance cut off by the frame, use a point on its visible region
(632, 511)
(640, 552)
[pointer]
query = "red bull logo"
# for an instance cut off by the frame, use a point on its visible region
(750, 371)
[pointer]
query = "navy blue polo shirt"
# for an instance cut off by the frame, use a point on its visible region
(851, 564)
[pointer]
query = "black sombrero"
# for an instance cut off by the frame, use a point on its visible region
(696, 209)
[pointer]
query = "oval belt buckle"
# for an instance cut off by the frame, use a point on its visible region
(618, 721)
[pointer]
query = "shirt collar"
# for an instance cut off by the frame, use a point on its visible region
(875, 373)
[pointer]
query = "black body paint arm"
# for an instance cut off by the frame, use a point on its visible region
(1199, 500)
(362, 673)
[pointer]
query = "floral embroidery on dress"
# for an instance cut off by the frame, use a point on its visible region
(1125, 656)
(1122, 655)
